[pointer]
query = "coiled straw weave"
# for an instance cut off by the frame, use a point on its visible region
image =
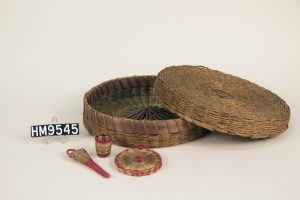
(139, 161)
(221, 102)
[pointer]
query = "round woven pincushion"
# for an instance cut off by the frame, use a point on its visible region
(127, 109)
(139, 161)
(221, 102)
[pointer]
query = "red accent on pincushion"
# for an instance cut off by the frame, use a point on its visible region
(140, 146)
(138, 159)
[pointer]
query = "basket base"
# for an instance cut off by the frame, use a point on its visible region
(149, 140)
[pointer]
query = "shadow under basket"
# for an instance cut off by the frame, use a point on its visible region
(127, 109)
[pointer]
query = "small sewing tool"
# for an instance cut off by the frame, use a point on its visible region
(83, 157)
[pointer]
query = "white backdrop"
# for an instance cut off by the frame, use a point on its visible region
(52, 52)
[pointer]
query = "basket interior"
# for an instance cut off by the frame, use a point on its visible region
(136, 103)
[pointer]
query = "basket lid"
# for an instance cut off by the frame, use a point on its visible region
(139, 161)
(221, 102)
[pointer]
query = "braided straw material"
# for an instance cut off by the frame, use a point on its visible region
(80, 155)
(139, 161)
(103, 144)
(221, 102)
(127, 109)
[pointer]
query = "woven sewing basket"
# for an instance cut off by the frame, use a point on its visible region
(127, 109)
(173, 107)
